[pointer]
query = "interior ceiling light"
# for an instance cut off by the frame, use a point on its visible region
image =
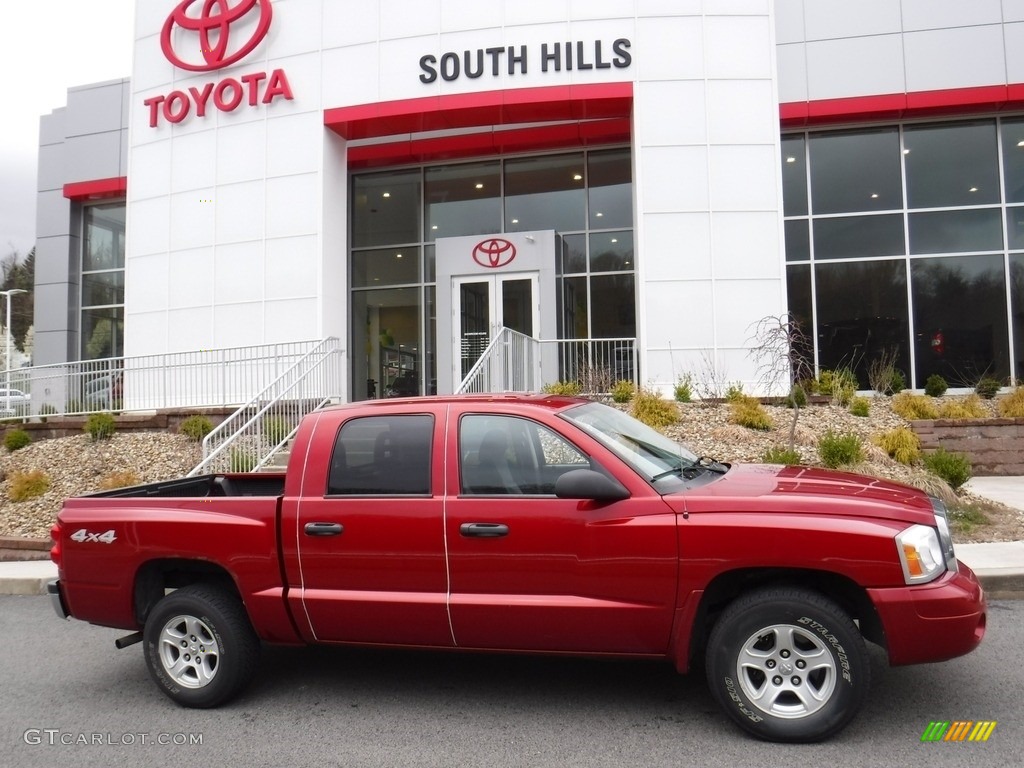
(906, 151)
(434, 227)
(398, 255)
(874, 195)
(577, 177)
(615, 239)
(386, 194)
(479, 185)
(790, 159)
(1020, 143)
(515, 221)
(599, 214)
(973, 189)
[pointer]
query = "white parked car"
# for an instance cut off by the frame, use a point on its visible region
(14, 402)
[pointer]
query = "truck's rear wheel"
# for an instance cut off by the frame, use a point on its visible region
(200, 647)
(788, 665)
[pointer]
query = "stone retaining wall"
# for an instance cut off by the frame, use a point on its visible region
(994, 446)
(151, 421)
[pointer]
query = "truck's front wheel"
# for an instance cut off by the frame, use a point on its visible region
(200, 647)
(787, 665)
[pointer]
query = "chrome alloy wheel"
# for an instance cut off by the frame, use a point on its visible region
(189, 652)
(786, 671)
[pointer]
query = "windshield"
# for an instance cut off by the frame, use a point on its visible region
(646, 450)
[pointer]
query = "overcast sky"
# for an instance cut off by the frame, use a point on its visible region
(46, 47)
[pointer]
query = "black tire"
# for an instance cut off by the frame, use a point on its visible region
(200, 647)
(776, 630)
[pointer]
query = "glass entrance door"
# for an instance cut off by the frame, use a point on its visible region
(481, 305)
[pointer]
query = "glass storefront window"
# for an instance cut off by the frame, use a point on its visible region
(462, 200)
(387, 266)
(616, 296)
(798, 289)
(862, 313)
(610, 181)
(102, 333)
(852, 237)
(977, 229)
(104, 237)
(951, 165)
(1013, 159)
(960, 318)
(546, 192)
(1017, 310)
(386, 209)
(573, 256)
(798, 241)
(102, 282)
(573, 315)
(855, 171)
(794, 176)
(611, 251)
(387, 355)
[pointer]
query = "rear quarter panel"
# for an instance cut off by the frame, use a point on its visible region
(237, 534)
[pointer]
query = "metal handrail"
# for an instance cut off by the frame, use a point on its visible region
(271, 417)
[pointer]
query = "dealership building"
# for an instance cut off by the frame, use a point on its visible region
(411, 176)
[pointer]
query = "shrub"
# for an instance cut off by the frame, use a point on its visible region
(964, 518)
(797, 395)
(1012, 406)
(836, 450)
(100, 426)
(900, 443)
(912, 407)
(988, 387)
(969, 407)
(776, 455)
(242, 460)
(734, 392)
(840, 384)
(27, 485)
(275, 429)
(954, 468)
(649, 408)
(748, 412)
(860, 406)
(120, 479)
(683, 390)
(15, 439)
(936, 386)
(623, 391)
(570, 388)
(196, 427)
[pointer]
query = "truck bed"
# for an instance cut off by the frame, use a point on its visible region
(202, 486)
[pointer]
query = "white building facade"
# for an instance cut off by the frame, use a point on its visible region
(406, 175)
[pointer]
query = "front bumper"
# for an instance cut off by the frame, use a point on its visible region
(57, 599)
(932, 622)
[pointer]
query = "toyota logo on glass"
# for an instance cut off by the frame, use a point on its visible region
(204, 37)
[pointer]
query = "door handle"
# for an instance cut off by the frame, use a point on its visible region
(483, 530)
(323, 529)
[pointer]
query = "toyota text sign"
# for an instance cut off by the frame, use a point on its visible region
(207, 35)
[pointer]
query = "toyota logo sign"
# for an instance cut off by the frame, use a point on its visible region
(493, 253)
(212, 25)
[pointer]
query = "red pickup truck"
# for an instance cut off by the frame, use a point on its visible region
(540, 524)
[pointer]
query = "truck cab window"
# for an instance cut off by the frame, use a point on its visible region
(382, 455)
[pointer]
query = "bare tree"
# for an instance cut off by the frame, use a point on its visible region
(784, 357)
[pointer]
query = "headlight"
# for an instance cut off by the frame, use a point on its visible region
(945, 540)
(920, 554)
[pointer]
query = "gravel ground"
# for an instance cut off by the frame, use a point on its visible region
(76, 465)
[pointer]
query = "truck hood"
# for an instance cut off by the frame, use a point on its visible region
(761, 488)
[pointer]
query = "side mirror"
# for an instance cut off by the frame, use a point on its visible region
(588, 484)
